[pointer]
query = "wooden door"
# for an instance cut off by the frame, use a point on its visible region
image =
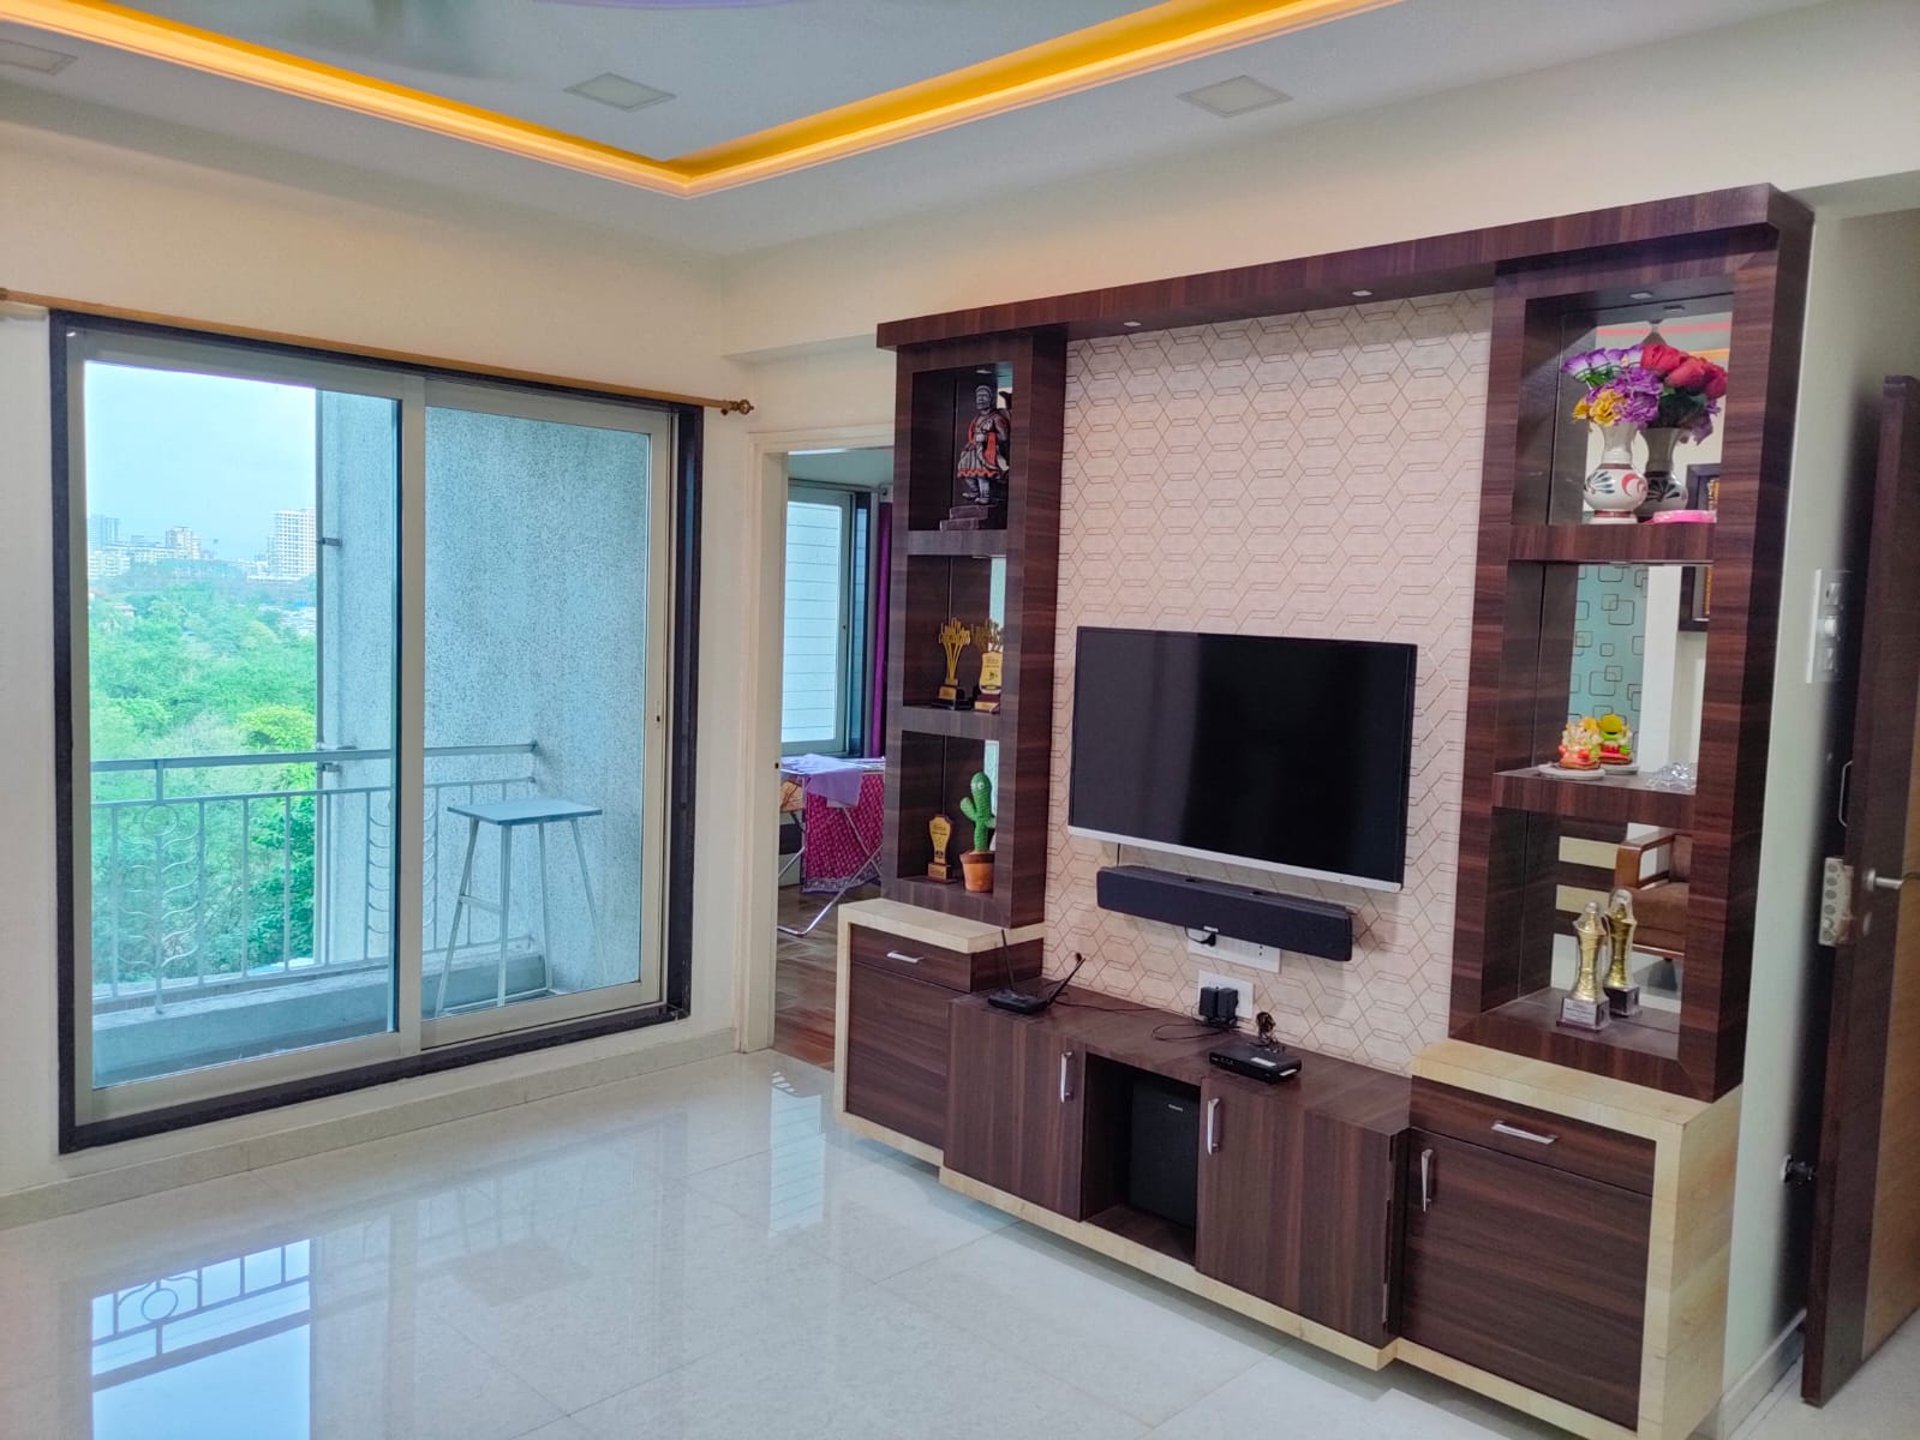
(1865, 1271)
(1014, 1106)
(1528, 1272)
(1296, 1208)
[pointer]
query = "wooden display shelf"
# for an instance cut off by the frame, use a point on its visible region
(1613, 799)
(958, 544)
(1615, 544)
(950, 897)
(955, 724)
(1649, 1040)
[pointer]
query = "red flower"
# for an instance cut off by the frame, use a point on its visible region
(1691, 373)
(1661, 359)
(1716, 382)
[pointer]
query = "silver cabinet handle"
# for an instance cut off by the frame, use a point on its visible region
(1066, 1076)
(1514, 1132)
(1213, 1126)
(1426, 1181)
(1877, 881)
(904, 959)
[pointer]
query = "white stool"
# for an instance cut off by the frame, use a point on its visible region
(540, 812)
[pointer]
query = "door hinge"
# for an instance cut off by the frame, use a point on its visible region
(1836, 901)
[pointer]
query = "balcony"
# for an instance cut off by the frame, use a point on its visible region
(242, 904)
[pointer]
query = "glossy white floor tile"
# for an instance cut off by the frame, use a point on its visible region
(699, 1253)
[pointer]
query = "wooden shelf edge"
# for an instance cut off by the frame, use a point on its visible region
(958, 544)
(952, 898)
(1625, 799)
(1613, 544)
(954, 724)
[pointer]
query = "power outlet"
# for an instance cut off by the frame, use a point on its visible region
(1245, 987)
(1235, 952)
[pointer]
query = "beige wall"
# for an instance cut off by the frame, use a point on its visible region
(83, 220)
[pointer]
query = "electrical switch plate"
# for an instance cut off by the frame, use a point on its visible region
(1828, 626)
(1229, 951)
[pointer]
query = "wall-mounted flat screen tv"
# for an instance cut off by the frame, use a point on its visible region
(1285, 754)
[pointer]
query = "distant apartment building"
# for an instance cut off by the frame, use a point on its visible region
(103, 532)
(295, 553)
(108, 555)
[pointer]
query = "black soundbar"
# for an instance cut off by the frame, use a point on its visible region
(1286, 922)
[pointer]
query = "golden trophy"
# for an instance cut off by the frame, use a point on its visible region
(940, 828)
(1623, 996)
(1586, 1007)
(992, 663)
(954, 639)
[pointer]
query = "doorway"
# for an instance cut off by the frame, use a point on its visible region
(837, 519)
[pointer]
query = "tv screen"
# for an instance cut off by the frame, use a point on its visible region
(1285, 754)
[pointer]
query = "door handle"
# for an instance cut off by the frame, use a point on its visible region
(1213, 1126)
(1066, 1076)
(1877, 881)
(1426, 1181)
(1514, 1132)
(903, 958)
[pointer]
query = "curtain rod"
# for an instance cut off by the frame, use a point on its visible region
(370, 352)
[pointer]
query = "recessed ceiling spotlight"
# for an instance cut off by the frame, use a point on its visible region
(1228, 98)
(1361, 294)
(1130, 324)
(33, 57)
(619, 92)
(1640, 295)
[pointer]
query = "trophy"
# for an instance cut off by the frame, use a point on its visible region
(1623, 996)
(940, 828)
(986, 696)
(954, 639)
(1586, 1007)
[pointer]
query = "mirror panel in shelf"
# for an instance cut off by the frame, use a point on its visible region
(1595, 864)
(1701, 327)
(1637, 657)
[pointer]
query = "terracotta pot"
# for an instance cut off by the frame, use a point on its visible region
(977, 867)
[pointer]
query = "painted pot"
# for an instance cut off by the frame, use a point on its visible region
(1614, 489)
(976, 867)
(1664, 492)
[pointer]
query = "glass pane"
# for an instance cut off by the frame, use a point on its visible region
(537, 710)
(811, 699)
(240, 622)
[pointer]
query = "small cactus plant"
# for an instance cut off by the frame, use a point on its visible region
(978, 807)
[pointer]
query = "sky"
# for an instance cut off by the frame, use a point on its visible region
(215, 454)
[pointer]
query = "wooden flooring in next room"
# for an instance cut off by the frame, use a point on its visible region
(803, 994)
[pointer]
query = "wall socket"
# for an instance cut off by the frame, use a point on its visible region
(1829, 626)
(1245, 987)
(1236, 952)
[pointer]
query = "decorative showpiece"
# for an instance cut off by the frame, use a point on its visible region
(1623, 996)
(955, 636)
(1580, 744)
(986, 460)
(1679, 776)
(940, 831)
(986, 696)
(976, 865)
(1649, 387)
(1616, 742)
(1585, 1008)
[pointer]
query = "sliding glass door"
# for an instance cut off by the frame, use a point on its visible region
(367, 680)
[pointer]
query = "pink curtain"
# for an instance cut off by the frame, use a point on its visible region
(877, 631)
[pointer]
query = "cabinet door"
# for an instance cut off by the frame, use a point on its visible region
(1014, 1106)
(897, 1052)
(1526, 1271)
(1297, 1209)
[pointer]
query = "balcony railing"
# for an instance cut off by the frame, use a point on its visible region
(203, 887)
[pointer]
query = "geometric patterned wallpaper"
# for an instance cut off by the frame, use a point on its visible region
(1314, 475)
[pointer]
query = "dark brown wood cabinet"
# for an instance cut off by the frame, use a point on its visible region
(895, 1048)
(1015, 1118)
(1297, 1207)
(1528, 1271)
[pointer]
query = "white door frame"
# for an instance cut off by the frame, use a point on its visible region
(759, 755)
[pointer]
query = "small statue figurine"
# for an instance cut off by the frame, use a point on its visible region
(984, 464)
(1616, 740)
(1580, 745)
(1623, 996)
(1585, 1007)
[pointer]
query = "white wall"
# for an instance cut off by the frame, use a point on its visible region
(84, 220)
(1863, 323)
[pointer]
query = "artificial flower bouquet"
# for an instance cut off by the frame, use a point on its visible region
(1652, 385)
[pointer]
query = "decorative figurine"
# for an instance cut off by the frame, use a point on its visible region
(1616, 740)
(1585, 1008)
(1623, 996)
(984, 464)
(1580, 745)
(986, 696)
(955, 636)
(976, 865)
(940, 829)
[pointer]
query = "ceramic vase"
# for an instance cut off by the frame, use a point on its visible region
(1614, 489)
(1664, 492)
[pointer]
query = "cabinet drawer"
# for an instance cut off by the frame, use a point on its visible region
(936, 965)
(1578, 1148)
(897, 1052)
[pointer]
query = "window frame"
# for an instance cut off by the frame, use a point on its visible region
(410, 1047)
(846, 499)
